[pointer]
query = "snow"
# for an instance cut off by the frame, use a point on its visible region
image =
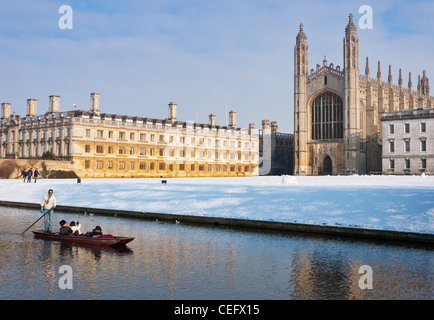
(400, 203)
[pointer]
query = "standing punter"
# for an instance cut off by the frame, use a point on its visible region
(48, 203)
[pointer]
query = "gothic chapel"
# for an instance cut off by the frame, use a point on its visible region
(337, 112)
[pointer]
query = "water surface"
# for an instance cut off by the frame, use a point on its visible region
(178, 261)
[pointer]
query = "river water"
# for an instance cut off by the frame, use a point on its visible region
(169, 261)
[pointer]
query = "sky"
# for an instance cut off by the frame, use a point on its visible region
(208, 56)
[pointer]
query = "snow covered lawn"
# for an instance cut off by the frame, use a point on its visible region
(401, 203)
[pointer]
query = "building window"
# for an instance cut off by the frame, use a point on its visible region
(110, 164)
(151, 166)
(201, 167)
(87, 148)
(131, 136)
(131, 165)
(142, 151)
(407, 163)
(161, 166)
(110, 134)
(182, 167)
(391, 163)
(407, 145)
(87, 132)
(121, 150)
(121, 165)
(100, 133)
(391, 128)
(99, 164)
(423, 164)
(142, 165)
(142, 136)
(391, 146)
(86, 164)
(423, 127)
(423, 145)
(407, 128)
(99, 149)
(327, 117)
(121, 135)
(110, 149)
(131, 151)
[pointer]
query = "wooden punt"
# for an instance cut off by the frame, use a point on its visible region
(97, 241)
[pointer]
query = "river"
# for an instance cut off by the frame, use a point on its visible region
(169, 261)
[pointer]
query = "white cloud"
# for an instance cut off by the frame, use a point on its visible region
(204, 55)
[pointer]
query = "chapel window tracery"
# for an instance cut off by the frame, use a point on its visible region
(327, 117)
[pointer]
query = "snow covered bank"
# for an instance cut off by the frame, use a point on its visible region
(399, 203)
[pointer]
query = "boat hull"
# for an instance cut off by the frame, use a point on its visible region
(112, 242)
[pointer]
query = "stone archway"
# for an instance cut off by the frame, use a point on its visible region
(327, 166)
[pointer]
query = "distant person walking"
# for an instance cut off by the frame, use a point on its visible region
(36, 174)
(24, 175)
(48, 203)
(29, 175)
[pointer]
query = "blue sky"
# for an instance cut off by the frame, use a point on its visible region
(208, 56)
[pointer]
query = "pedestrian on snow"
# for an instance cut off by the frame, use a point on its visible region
(29, 175)
(36, 174)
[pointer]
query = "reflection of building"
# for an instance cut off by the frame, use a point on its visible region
(337, 125)
(110, 145)
(281, 150)
(408, 141)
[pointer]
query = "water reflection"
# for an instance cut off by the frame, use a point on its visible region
(177, 261)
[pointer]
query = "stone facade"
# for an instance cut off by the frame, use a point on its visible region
(408, 141)
(276, 150)
(110, 145)
(337, 111)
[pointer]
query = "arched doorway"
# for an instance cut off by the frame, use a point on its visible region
(327, 166)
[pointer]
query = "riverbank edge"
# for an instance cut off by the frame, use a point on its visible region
(243, 223)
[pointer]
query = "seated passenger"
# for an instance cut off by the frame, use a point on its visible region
(64, 229)
(97, 231)
(75, 227)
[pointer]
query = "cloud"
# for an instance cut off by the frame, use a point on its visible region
(208, 56)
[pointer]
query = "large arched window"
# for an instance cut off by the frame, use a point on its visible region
(327, 117)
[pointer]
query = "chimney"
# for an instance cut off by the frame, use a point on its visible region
(265, 126)
(94, 102)
(54, 104)
(172, 111)
(420, 103)
(274, 127)
(6, 110)
(212, 121)
(31, 107)
(251, 128)
(232, 119)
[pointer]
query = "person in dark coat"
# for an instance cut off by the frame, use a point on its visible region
(24, 175)
(29, 175)
(36, 174)
(65, 230)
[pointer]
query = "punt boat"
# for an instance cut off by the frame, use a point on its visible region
(111, 241)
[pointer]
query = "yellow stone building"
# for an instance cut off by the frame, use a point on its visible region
(109, 145)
